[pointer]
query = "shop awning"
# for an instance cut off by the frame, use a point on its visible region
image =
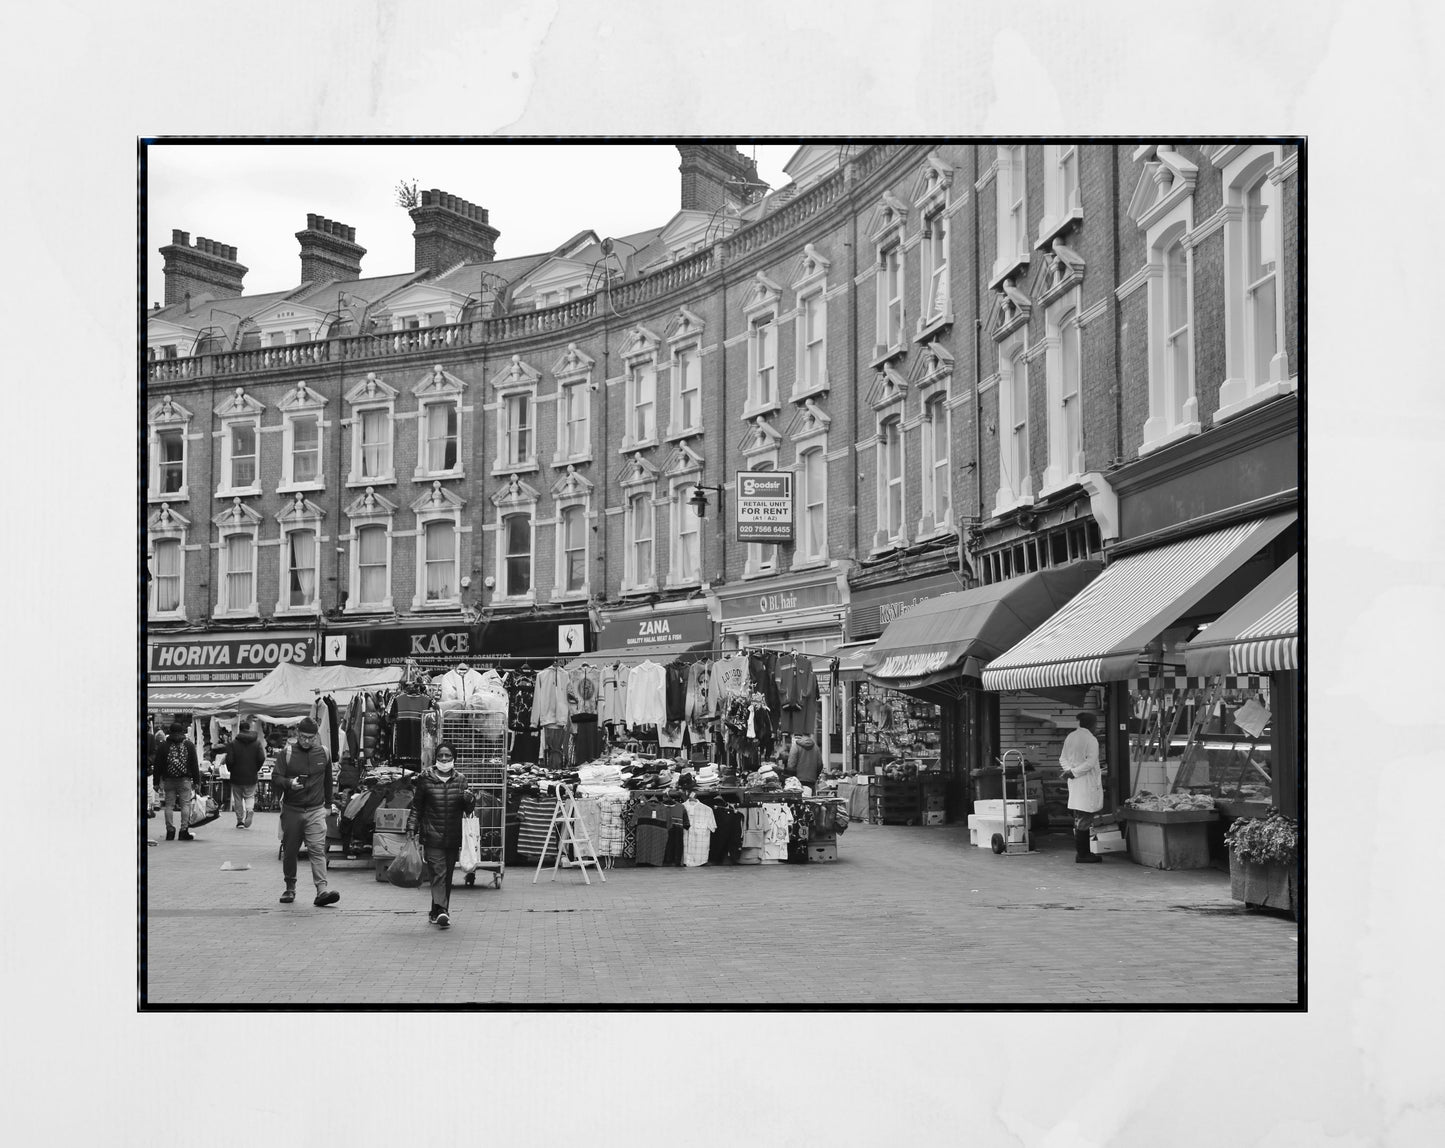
(850, 657)
(1101, 634)
(955, 634)
(197, 698)
(1259, 634)
(289, 691)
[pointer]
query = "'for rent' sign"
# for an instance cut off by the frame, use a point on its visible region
(765, 506)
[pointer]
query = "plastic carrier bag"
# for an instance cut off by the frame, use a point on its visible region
(407, 866)
(471, 855)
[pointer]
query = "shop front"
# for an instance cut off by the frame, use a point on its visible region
(441, 646)
(203, 674)
(920, 721)
(799, 614)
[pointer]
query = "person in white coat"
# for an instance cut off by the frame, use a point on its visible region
(1080, 763)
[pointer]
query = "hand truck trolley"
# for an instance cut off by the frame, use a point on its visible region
(482, 744)
(1015, 837)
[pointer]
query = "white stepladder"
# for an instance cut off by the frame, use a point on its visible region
(567, 824)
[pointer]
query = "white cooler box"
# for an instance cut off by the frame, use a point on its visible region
(982, 829)
(993, 808)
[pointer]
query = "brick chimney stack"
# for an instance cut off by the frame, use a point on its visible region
(716, 174)
(328, 250)
(449, 230)
(209, 267)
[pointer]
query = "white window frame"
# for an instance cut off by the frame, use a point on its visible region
(1244, 385)
(935, 406)
(572, 492)
(761, 449)
(640, 362)
(936, 270)
(890, 277)
(681, 515)
(641, 384)
(517, 421)
(573, 372)
(504, 592)
(165, 417)
(762, 307)
(514, 381)
(437, 505)
(439, 388)
(810, 288)
(1012, 213)
(1066, 459)
(1173, 402)
(639, 502)
(239, 410)
(237, 519)
(1062, 207)
(299, 516)
(809, 496)
(1013, 490)
(371, 394)
(888, 534)
(574, 511)
(167, 526)
(369, 510)
(301, 403)
(682, 353)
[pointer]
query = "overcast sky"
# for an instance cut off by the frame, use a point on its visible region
(255, 197)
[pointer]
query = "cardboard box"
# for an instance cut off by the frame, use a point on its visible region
(386, 845)
(391, 820)
(382, 865)
(828, 852)
(1109, 840)
(933, 817)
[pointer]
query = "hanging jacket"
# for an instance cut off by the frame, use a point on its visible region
(676, 691)
(549, 698)
(437, 806)
(406, 715)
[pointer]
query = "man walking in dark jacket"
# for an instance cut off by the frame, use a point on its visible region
(178, 770)
(244, 760)
(302, 775)
(436, 812)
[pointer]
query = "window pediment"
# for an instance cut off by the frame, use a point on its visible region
(168, 411)
(682, 460)
(640, 343)
(1063, 270)
(1014, 309)
(371, 390)
(931, 187)
(239, 405)
(437, 498)
(573, 362)
(440, 382)
(516, 493)
(638, 472)
(934, 362)
(516, 375)
(812, 266)
(369, 504)
(237, 514)
(890, 214)
(888, 387)
(289, 316)
(167, 521)
(1167, 179)
(762, 294)
(302, 398)
(809, 420)
(572, 485)
(300, 509)
(685, 325)
(760, 437)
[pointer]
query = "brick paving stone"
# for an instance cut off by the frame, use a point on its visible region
(906, 915)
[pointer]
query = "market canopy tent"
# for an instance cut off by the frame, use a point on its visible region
(955, 634)
(1101, 634)
(204, 698)
(1258, 634)
(289, 691)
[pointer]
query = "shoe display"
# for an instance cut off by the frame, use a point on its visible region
(288, 896)
(443, 920)
(330, 897)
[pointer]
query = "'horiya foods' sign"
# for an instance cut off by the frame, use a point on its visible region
(227, 659)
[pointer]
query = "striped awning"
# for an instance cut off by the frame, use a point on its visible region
(1257, 635)
(1102, 633)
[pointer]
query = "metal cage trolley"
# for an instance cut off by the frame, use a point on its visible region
(482, 743)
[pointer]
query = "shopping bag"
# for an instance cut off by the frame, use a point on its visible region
(208, 810)
(471, 855)
(407, 866)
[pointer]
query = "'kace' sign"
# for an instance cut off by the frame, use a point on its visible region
(765, 506)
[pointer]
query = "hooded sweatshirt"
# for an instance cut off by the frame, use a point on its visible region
(245, 758)
(176, 759)
(805, 759)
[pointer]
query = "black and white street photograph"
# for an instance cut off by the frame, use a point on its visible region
(839, 572)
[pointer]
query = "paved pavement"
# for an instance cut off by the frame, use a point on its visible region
(905, 916)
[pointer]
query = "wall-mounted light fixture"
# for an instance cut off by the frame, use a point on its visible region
(698, 499)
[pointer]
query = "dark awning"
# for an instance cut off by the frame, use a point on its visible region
(1101, 634)
(1258, 634)
(955, 634)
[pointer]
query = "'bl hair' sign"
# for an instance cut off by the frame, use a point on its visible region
(765, 506)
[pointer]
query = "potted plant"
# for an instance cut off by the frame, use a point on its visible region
(1264, 860)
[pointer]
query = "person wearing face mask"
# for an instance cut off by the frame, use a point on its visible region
(441, 797)
(302, 775)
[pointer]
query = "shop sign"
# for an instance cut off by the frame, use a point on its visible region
(764, 506)
(875, 607)
(911, 665)
(227, 659)
(692, 627)
(435, 646)
(781, 602)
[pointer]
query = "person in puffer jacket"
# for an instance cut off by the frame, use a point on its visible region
(244, 761)
(441, 797)
(805, 760)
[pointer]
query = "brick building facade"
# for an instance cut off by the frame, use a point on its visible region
(954, 348)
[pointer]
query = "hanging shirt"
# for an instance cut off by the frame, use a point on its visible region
(612, 704)
(698, 841)
(779, 821)
(584, 685)
(729, 680)
(646, 695)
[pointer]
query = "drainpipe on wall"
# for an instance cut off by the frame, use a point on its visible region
(853, 366)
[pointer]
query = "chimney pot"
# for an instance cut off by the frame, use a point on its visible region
(351, 235)
(180, 237)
